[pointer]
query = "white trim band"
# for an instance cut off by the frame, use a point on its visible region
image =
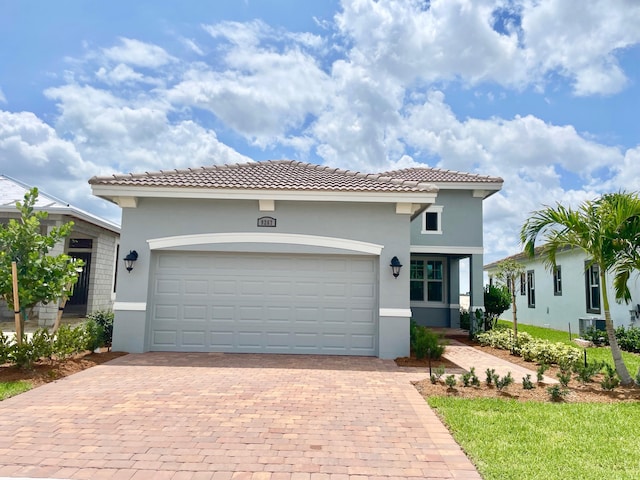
(446, 249)
(130, 306)
(395, 312)
(254, 237)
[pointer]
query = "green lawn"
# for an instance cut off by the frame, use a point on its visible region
(9, 389)
(632, 360)
(508, 440)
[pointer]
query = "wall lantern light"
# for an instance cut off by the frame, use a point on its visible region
(395, 266)
(130, 259)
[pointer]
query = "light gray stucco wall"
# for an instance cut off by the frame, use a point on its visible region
(375, 223)
(461, 221)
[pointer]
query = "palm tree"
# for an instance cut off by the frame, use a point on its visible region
(606, 229)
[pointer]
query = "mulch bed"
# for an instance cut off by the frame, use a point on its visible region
(577, 392)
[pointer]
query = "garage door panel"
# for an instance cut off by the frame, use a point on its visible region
(166, 338)
(194, 338)
(264, 303)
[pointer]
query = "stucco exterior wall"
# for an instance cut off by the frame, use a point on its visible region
(560, 311)
(366, 222)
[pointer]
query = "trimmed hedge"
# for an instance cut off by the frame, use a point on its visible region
(529, 348)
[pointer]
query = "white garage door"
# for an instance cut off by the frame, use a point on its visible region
(266, 303)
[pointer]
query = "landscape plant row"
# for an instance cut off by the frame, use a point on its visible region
(67, 341)
(628, 338)
(530, 348)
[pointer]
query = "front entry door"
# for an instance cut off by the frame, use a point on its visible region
(77, 303)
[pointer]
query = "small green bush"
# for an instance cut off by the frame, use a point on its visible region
(540, 371)
(450, 381)
(490, 375)
(104, 318)
(557, 393)
(68, 341)
(529, 348)
(585, 373)
(596, 336)
(504, 382)
(465, 320)
(93, 335)
(427, 343)
(23, 355)
(610, 380)
(5, 348)
(527, 384)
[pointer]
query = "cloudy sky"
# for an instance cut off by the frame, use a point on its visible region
(544, 93)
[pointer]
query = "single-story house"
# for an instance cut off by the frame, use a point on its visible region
(568, 297)
(290, 257)
(93, 239)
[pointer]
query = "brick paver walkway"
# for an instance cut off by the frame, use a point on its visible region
(466, 357)
(220, 416)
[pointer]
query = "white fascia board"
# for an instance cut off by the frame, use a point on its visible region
(471, 186)
(113, 192)
(82, 215)
(446, 250)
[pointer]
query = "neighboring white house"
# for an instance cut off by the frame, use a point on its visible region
(93, 239)
(570, 296)
(290, 257)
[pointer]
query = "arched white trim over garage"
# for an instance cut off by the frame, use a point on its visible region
(256, 237)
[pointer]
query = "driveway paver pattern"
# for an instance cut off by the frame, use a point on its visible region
(182, 416)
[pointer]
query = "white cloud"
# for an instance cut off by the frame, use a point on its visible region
(264, 91)
(461, 39)
(123, 74)
(134, 136)
(141, 54)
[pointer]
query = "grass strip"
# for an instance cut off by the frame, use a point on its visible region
(510, 440)
(9, 389)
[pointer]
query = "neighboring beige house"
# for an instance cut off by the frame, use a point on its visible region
(93, 239)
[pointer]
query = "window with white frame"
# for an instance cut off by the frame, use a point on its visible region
(427, 280)
(432, 220)
(592, 288)
(557, 280)
(531, 289)
(523, 284)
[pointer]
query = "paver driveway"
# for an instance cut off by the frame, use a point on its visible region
(220, 416)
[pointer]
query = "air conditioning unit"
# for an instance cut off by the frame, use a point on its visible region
(585, 324)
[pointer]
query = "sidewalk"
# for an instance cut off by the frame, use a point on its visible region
(466, 357)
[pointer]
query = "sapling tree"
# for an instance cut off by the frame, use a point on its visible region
(497, 300)
(41, 277)
(509, 272)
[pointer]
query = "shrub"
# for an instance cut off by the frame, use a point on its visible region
(503, 339)
(595, 336)
(504, 382)
(475, 381)
(41, 342)
(497, 300)
(564, 378)
(439, 371)
(93, 335)
(585, 373)
(610, 380)
(465, 320)
(466, 379)
(527, 384)
(557, 393)
(104, 318)
(628, 339)
(5, 348)
(490, 375)
(450, 381)
(427, 343)
(68, 341)
(542, 368)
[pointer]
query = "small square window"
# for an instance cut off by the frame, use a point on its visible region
(432, 220)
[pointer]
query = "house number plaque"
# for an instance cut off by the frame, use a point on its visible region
(266, 222)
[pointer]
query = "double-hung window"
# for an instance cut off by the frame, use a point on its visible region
(531, 289)
(592, 288)
(427, 281)
(557, 281)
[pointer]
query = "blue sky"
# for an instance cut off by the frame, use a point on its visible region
(544, 93)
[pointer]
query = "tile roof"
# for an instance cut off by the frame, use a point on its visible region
(12, 191)
(270, 175)
(437, 175)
